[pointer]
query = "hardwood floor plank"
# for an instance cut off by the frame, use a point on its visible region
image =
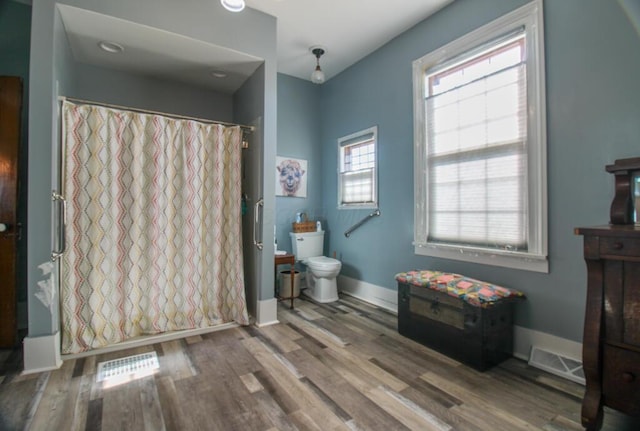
(15, 413)
(251, 383)
(175, 361)
(54, 398)
(412, 418)
(170, 403)
(94, 415)
(276, 415)
(151, 408)
(498, 405)
(122, 408)
(306, 399)
(272, 387)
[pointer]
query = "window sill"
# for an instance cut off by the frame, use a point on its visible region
(521, 261)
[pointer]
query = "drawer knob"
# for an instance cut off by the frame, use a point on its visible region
(628, 377)
(617, 246)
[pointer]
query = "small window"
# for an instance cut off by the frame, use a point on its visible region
(480, 178)
(357, 182)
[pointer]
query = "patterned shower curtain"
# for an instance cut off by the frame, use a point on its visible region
(153, 226)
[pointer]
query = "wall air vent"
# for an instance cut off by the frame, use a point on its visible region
(557, 364)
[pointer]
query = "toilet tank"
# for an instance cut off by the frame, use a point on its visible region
(307, 244)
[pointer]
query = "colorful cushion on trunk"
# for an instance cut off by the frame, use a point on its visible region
(475, 292)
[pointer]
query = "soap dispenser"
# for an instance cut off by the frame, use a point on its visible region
(318, 226)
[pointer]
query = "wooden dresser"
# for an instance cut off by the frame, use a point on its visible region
(611, 342)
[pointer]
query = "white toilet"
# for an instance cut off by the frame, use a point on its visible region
(321, 271)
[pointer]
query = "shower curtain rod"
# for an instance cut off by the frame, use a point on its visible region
(246, 129)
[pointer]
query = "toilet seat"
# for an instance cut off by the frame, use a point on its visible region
(322, 262)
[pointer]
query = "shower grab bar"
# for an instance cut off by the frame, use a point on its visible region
(256, 221)
(62, 227)
(361, 222)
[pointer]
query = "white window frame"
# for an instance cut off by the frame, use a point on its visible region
(351, 139)
(529, 17)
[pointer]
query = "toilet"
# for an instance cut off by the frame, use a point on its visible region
(321, 271)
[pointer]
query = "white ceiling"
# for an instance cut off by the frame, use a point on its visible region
(349, 30)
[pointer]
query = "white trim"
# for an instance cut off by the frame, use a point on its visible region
(523, 338)
(513, 260)
(371, 293)
(531, 17)
(151, 339)
(41, 353)
(267, 312)
(362, 133)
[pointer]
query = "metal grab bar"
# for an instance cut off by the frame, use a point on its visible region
(62, 227)
(256, 222)
(361, 222)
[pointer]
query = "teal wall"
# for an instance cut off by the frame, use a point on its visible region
(15, 34)
(593, 112)
(299, 138)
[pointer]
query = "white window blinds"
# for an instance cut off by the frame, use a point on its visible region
(476, 130)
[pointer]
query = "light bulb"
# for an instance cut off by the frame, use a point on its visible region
(317, 77)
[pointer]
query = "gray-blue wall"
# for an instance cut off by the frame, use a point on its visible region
(15, 35)
(593, 110)
(299, 138)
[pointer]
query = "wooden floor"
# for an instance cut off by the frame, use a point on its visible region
(340, 366)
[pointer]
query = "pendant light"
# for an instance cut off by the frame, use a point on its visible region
(233, 5)
(317, 77)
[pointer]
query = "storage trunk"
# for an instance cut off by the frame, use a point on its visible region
(480, 337)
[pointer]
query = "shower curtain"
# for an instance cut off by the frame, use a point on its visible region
(153, 226)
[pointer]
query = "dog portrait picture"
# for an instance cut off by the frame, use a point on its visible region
(291, 177)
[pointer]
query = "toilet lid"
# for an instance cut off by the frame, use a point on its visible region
(323, 261)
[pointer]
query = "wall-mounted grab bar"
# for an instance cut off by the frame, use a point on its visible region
(257, 223)
(62, 225)
(361, 222)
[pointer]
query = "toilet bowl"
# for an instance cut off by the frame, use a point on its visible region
(321, 271)
(321, 278)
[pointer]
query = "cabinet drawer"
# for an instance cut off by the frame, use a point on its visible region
(620, 246)
(621, 379)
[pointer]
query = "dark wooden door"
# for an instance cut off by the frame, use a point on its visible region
(10, 108)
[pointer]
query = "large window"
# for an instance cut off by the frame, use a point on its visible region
(480, 179)
(357, 182)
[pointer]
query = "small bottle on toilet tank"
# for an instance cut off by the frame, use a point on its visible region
(318, 226)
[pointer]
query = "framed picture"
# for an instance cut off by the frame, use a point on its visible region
(291, 177)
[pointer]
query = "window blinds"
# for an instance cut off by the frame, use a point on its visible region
(477, 161)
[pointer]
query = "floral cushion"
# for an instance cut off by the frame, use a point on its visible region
(475, 292)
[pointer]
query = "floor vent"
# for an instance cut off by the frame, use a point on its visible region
(126, 369)
(557, 364)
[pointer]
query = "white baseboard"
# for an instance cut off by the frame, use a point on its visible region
(371, 293)
(267, 312)
(523, 338)
(41, 353)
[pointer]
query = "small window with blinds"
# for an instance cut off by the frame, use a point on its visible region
(357, 173)
(480, 177)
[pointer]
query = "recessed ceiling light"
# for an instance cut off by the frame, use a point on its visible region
(110, 46)
(233, 5)
(218, 74)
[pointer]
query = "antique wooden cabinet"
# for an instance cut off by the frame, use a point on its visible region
(611, 342)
